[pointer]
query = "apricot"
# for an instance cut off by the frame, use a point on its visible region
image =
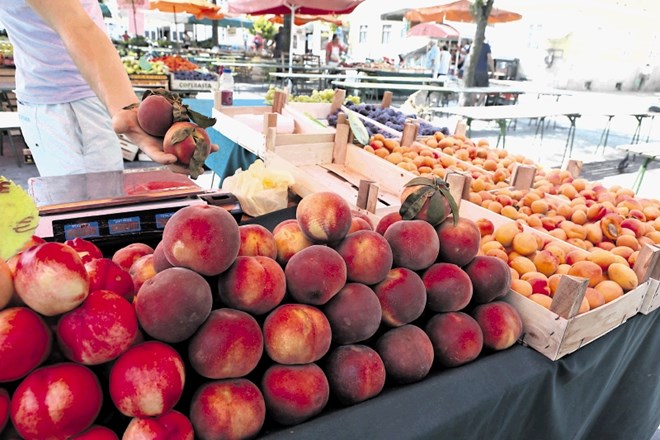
(543, 300)
(485, 226)
(522, 265)
(525, 243)
(553, 282)
(609, 289)
(538, 281)
(546, 262)
(623, 275)
(587, 269)
(602, 258)
(575, 255)
(506, 232)
(594, 297)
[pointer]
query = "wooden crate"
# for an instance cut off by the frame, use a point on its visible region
(647, 268)
(147, 80)
(560, 331)
(305, 131)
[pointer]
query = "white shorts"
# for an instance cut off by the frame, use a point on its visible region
(70, 138)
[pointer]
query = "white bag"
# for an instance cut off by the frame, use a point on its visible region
(259, 190)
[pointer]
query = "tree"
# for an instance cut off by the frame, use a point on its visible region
(214, 30)
(263, 25)
(480, 10)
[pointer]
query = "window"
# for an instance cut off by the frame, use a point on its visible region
(387, 30)
(363, 33)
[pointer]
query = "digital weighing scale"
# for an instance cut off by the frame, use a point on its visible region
(117, 206)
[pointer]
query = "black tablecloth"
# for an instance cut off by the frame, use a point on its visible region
(607, 390)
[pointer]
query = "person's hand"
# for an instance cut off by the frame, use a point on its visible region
(125, 122)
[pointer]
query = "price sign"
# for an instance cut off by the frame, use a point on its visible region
(19, 218)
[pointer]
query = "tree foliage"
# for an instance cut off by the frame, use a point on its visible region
(267, 28)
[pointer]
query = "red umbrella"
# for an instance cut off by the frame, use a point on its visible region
(434, 30)
(278, 7)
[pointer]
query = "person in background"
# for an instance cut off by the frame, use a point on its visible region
(258, 42)
(278, 43)
(485, 64)
(126, 37)
(444, 61)
(433, 59)
(72, 88)
(333, 51)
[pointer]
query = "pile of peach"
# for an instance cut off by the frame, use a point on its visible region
(420, 160)
(236, 324)
(538, 262)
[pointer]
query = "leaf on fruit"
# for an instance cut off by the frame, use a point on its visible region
(199, 119)
(198, 158)
(414, 202)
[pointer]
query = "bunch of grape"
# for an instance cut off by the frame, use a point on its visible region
(371, 127)
(316, 96)
(194, 75)
(395, 119)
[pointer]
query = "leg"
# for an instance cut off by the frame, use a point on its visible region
(640, 174)
(502, 124)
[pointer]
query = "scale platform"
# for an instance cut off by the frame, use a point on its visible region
(129, 205)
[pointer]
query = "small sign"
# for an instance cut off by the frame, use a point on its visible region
(124, 225)
(81, 230)
(161, 219)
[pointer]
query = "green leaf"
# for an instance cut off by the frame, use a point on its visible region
(199, 119)
(198, 158)
(181, 134)
(359, 130)
(414, 203)
(452, 203)
(144, 64)
(419, 181)
(436, 208)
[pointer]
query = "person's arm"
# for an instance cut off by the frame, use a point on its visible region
(100, 65)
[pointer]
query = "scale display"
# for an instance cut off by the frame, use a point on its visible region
(57, 194)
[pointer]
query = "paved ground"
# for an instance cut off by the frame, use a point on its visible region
(600, 166)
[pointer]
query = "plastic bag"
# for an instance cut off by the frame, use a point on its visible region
(259, 190)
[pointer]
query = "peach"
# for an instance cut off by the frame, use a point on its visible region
(87, 251)
(290, 240)
(147, 380)
(6, 284)
(541, 299)
(485, 226)
(105, 274)
(407, 353)
(386, 221)
(56, 401)
(315, 274)
(623, 275)
(433, 212)
(587, 269)
(359, 224)
(155, 115)
(172, 424)
(456, 337)
(173, 304)
(126, 256)
(363, 216)
(354, 314)
(256, 241)
(4, 408)
(459, 243)
(324, 217)
(609, 289)
(402, 297)
(368, 256)
(190, 143)
(546, 262)
(25, 342)
(51, 279)
(355, 373)
(296, 334)
(102, 328)
(414, 244)
(490, 278)
(500, 323)
(253, 284)
(160, 261)
(96, 432)
(230, 408)
(294, 393)
(594, 297)
(228, 345)
(203, 238)
(448, 287)
(506, 232)
(142, 270)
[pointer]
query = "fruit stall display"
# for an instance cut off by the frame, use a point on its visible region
(144, 73)
(103, 345)
(6, 53)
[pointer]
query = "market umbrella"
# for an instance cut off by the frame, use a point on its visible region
(284, 7)
(195, 7)
(302, 19)
(460, 11)
(433, 30)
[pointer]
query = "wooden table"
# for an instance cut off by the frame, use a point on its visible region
(504, 113)
(650, 151)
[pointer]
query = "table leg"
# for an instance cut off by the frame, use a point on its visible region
(648, 135)
(604, 135)
(638, 129)
(502, 124)
(469, 126)
(640, 174)
(570, 139)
